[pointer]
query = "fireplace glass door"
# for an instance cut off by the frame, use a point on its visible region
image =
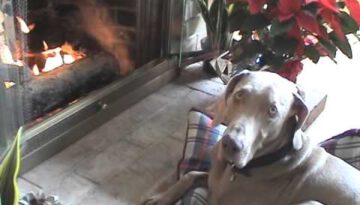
(54, 52)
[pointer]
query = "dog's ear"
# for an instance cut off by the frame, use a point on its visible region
(301, 113)
(219, 108)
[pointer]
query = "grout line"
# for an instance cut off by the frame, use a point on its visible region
(30, 182)
(85, 177)
(199, 90)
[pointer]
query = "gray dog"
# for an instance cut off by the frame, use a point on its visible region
(264, 158)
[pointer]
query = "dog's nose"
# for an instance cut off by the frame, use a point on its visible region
(230, 145)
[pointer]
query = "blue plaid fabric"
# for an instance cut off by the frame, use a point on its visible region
(200, 138)
(345, 146)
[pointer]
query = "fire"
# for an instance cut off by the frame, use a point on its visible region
(57, 57)
(23, 26)
(49, 59)
(46, 47)
(8, 84)
(36, 70)
(53, 59)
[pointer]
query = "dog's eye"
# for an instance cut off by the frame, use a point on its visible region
(239, 94)
(273, 110)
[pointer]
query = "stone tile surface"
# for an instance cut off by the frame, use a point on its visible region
(116, 157)
(119, 162)
(57, 166)
(26, 186)
(131, 185)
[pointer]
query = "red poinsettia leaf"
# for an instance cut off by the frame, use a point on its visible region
(285, 17)
(354, 8)
(295, 32)
(308, 21)
(334, 22)
(291, 69)
(289, 6)
(311, 1)
(329, 4)
(287, 9)
(255, 6)
(300, 49)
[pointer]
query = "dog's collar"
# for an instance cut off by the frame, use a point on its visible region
(264, 160)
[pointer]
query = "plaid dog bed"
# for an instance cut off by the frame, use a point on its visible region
(201, 137)
(345, 146)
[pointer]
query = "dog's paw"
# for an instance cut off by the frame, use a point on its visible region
(157, 200)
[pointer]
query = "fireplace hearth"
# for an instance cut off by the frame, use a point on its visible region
(68, 66)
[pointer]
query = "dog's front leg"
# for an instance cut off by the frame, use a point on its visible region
(176, 191)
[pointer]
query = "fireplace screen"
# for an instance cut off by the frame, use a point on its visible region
(55, 51)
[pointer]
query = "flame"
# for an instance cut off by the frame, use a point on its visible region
(68, 59)
(57, 57)
(46, 47)
(9, 84)
(6, 56)
(36, 70)
(53, 58)
(23, 26)
(53, 61)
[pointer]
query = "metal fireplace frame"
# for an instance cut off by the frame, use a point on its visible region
(55, 133)
(44, 139)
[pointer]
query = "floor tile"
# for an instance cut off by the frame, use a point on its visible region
(108, 163)
(132, 184)
(62, 163)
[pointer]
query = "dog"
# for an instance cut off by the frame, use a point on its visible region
(263, 157)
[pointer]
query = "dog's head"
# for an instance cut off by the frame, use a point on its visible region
(261, 110)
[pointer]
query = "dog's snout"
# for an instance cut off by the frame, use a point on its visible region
(230, 145)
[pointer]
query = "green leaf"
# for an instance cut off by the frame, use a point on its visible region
(237, 16)
(9, 170)
(255, 22)
(329, 47)
(341, 4)
(206, 16)
(214, 11)
(278, 27)
(246, 49)
(313, 8)
(273, 60)
(312, 53)
(348, 24)
(284, 45)
(344, 46)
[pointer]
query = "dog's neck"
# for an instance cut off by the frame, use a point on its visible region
(265, 160)
(290, 161)
(273, 154)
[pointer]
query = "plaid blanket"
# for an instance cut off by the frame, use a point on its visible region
(201, 137)
(345, 146)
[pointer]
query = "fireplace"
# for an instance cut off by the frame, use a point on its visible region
(68, 66)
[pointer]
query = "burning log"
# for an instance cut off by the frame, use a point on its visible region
(56, 89)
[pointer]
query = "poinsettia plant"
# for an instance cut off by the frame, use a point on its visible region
(281, 33)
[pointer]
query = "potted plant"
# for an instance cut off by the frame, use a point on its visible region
(9, 170)
(218, 36)
(278, 34)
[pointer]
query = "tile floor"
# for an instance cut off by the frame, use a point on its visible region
(122, 160)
